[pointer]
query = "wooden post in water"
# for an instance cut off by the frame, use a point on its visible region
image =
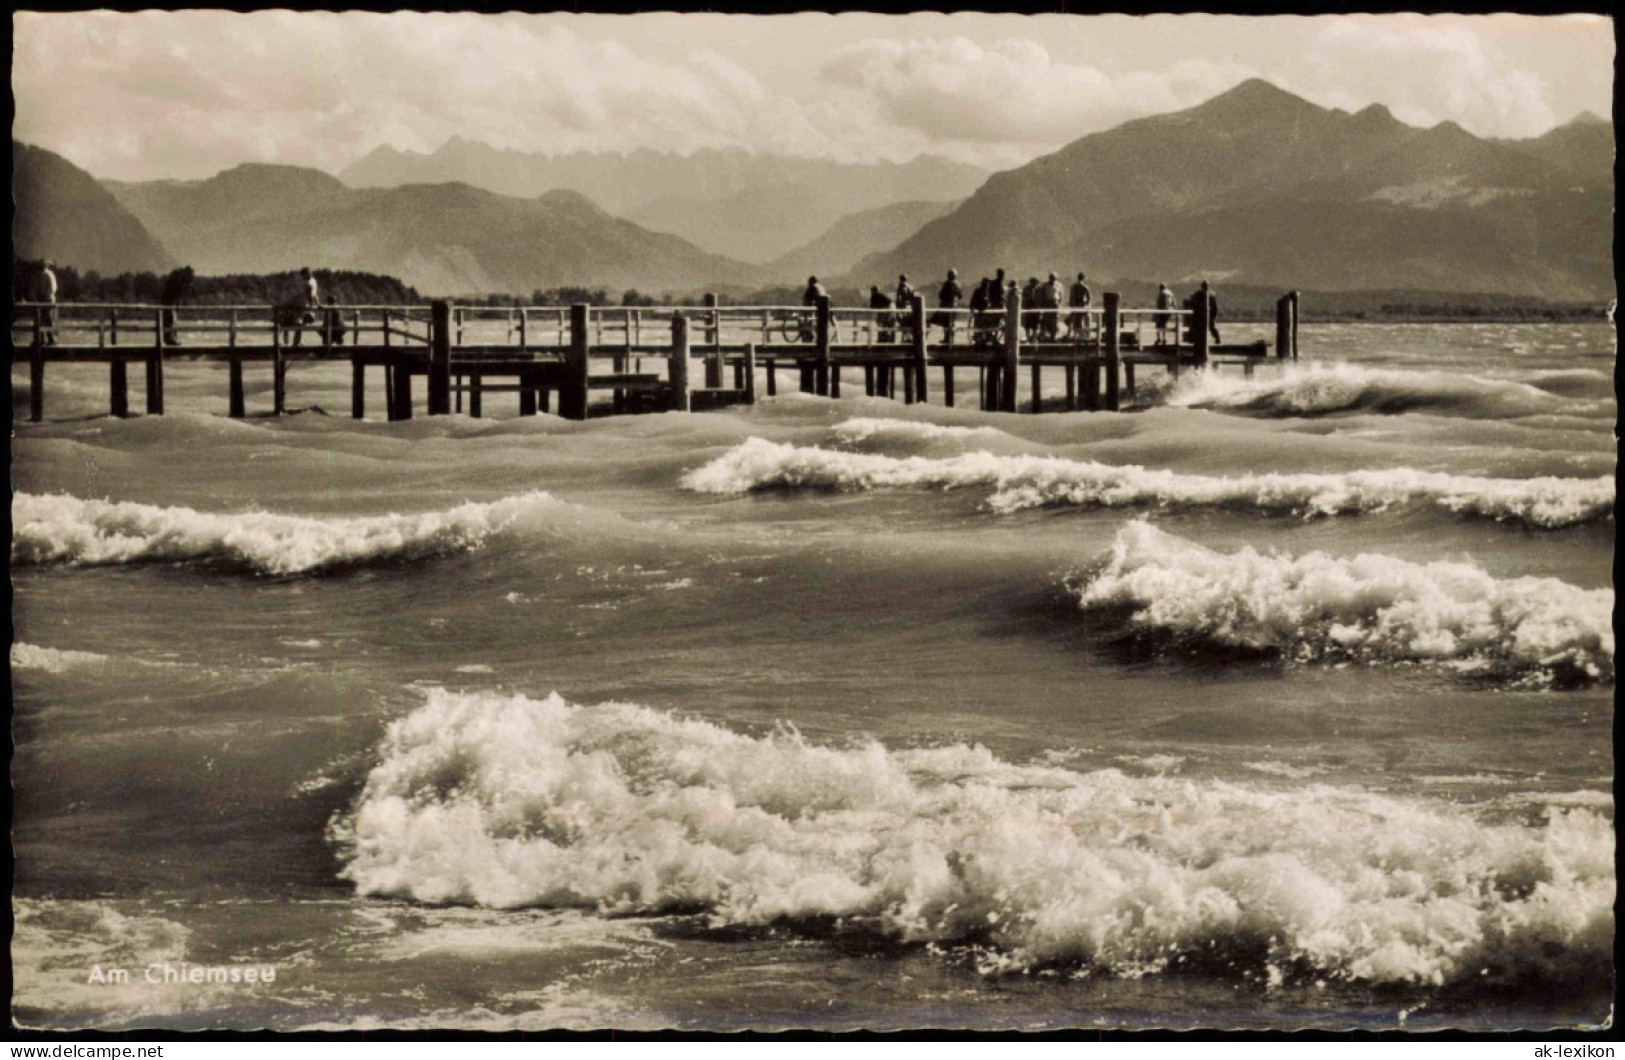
(1012, 351)
(36, 370)
(948, 385)
(119, 383)
(1199, 310)
(573, 394)
(748, 371)
(1283, 327)
(1128, 380)
(440, 356)
(772, 371)
(1114, 349)
(1072, 388)
(475, 397)
(402, 387)
(713, 359)
(1294, 295)
(821, 339)
(155, 367)
(527, 392)
(917, 322)
(358, 386)
(677, 372)
(278, 386)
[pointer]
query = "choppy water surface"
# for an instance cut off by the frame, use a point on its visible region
(1274, 701)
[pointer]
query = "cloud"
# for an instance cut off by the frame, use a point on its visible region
(1012, 90)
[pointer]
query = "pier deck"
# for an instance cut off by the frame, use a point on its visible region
(542, 353)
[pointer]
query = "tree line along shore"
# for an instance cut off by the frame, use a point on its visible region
(1241, 303)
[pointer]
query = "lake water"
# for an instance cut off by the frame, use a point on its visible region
(1270, 702)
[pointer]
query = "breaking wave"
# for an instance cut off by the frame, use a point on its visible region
(26, 656)
(863, 428)
(506, 801)
(1022, 482)
(1372, 607)
(1317, 389)
(58, 528)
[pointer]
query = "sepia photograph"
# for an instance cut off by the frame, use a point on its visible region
(926, 522)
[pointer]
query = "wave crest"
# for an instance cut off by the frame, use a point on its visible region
(1023, 482)
(1371, 607)
(57, 528)
(1318, 389)
(509, 802)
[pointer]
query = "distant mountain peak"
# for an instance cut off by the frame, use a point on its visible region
(1585, 118)
(1376, 113)
(569, 198)
(1255, 97)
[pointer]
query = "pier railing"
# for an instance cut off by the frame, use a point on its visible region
(547, 351)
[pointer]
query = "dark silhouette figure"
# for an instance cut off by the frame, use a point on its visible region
(177, 285)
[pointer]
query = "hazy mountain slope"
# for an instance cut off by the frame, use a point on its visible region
(1259, 183)
(61, 212)
(446, 239)
(852, 238)
(1583, 147)
(749, 206)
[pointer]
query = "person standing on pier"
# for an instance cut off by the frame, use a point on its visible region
(1212, 311)
(1079, 298)
(1165, 300)
(996, 292)
(905, 301)
(878, 299)
(979, 317)
(1050, 325)
(333, 323)
(176, 286)
(809, 298)
(306, 305)
(47, 294)
(1029, 301)
(948, 297)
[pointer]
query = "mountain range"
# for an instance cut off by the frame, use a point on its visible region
(747, 206)
(1258, 186)
(61, 212)
(1254, 187)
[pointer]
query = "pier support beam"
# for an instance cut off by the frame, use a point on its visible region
(1012, 352)
(279, 372)
(440, 358)
(1114, 349)
(358, 387)
(1199, 323)
(746, 377)
(1294, 295)
(677, 371)
(155, 368)
(918, 337)
(475, 395)
(573, 394)
(36, 375)
(948, 385)
(527, 393)
(118, 381)
(401, 391)
(821, 338)
(1283, 327)
(713, 359)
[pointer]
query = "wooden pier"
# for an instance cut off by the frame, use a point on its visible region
(565, 354)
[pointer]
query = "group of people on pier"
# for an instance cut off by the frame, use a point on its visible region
(1042, 303)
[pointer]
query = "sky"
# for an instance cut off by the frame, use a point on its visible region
(155, 94)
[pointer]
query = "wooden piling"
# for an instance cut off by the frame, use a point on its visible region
(440, 356)
(278, 376)
(1294, 295)
(1071, 388)
(868, 380)
(402, 386)
(748, 371)
(713, 359)
(948, 385)
(36, 383)
(1038, 388)
(821, 339)
(358, 386)
(918, 337)
(573, 394)
(1283, 327)
(1012, 351)
(772, 377)
(1091, 386)
(475, 395)
(1199, 321)
(1114, 349)
(677, 372)
(527, 392)
(119, 383)
(155, 367)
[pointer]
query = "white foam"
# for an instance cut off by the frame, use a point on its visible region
(58, 528)
(506, 801)
(1371, 606)
(1023, 482)
(1319, 388)
(52, 660)
(863, 428)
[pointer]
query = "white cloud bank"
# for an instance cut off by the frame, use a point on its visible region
(150, 94)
